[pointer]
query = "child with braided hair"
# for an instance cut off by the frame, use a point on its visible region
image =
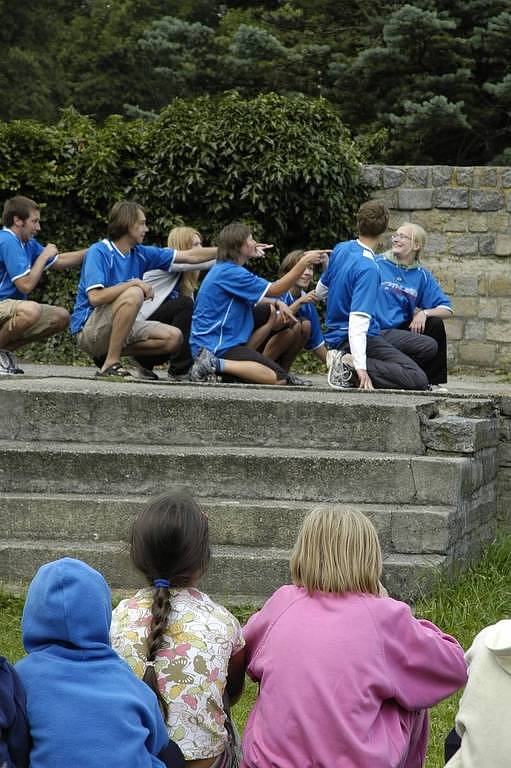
(186, 647)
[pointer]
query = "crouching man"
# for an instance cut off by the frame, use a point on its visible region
(23, 260)
(111, 291)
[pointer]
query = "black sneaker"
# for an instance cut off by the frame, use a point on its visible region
(13, 361)
(143, 373)
(6, 366)
(204, 366)
(296, 381)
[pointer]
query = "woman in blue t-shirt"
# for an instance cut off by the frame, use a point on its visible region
(223, 322)
(410, 298)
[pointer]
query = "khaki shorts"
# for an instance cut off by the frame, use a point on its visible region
(94, 337)
(8, 309)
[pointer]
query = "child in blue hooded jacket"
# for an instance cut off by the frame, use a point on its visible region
(85, 707)
(14, 736)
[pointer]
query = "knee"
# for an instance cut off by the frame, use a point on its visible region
(60, 318)
(305, 330)
(29, 312)
(173, 339)
(132, 296)
(430, 346)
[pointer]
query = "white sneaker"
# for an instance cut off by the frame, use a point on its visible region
(341, 371)
(440, 388)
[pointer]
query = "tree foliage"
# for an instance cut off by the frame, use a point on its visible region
(433, 74)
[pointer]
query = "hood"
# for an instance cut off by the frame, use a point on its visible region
(498, 641)
(68, 603)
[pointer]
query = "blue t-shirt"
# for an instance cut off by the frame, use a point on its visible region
(16, 260)
(104, 265)
(307, 312)
(352, 279)
(222, 316)
(402, 290)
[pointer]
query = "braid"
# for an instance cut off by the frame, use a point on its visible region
(160, 611)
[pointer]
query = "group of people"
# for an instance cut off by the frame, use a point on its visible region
(346, 674)
(383, 313)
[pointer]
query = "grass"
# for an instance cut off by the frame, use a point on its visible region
(478, 597)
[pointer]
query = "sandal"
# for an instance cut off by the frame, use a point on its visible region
(112, 371)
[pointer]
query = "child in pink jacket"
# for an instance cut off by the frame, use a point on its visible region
(345, 674)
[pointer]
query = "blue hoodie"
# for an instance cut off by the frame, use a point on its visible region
(14, 737)
(85, 707)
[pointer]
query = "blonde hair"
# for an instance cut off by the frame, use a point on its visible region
(418, 237)
(181, 239)
(292, 258)
(337, 550)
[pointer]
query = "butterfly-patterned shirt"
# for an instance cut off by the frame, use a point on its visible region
(191, 666)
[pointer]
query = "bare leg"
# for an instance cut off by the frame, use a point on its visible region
(260, 334)
(165, 340)
(59, 320)
(124, 311)
(285, 345)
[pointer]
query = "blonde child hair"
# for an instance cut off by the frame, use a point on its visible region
(181, 238)
(337, 550)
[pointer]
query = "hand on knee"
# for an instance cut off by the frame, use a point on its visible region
(132, 296)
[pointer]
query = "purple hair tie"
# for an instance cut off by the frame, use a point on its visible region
(161, 583)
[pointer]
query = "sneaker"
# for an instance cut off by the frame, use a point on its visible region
(440, 388)
(204, 366)
(6, 367)
(341, 371)
(177, 378)
(296, 381)
(143, 373)
(13, 361)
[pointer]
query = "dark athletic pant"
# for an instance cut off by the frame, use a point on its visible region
(241, 352)
(394, 359)
(436, 368)
(176, 312)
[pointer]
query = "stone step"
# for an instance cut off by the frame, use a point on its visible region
(90, 411)
(248, 523)
(240, 473)
(253, 573)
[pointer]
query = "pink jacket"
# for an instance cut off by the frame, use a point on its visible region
(339, 675)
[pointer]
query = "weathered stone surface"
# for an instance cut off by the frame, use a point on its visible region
(475, 329)
(467, 285)
(441, 175)
(436, 244)
(392, 177)
(372, 175)
(487, 177)
(498, 284)
(466, 306)
(415, 199)
(503, 245)
(418, 175)
(453, 434)
(506, 178)
(498, 331)
(487, 245)
(488, 308)
(455, 327)
(463, 245)
(504, 308)
(464, 176)
(450, 197)
(478, 353)
(478, 222)
(487, 201)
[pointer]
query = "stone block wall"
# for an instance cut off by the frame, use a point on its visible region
(466, 213)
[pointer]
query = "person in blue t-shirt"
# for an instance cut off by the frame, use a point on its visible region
(23, 260)
(411, 299)
(287, 341)
(350, 287)
(111, 292)
(223, 321)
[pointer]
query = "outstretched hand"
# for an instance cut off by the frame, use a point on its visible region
(364, 380)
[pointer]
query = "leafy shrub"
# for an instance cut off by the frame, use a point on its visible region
(285, 165)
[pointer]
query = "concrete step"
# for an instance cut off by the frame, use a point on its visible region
(253, 573)
(91, 411)
(247, 523)
(240, 473)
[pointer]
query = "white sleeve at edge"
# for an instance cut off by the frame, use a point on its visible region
(357, 334)
(321, 291)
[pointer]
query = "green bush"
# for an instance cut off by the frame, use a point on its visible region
(285, 165)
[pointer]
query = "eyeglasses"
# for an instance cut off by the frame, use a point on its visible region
(399, 236)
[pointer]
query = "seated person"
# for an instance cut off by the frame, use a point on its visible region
(111, 292)
(345, 674)
(23, 261)
(85, 706)
(14, 734)
(350, 287)
(172, 303)
(411, 299)
(306, 333)
(482, 719)
(223, 322)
